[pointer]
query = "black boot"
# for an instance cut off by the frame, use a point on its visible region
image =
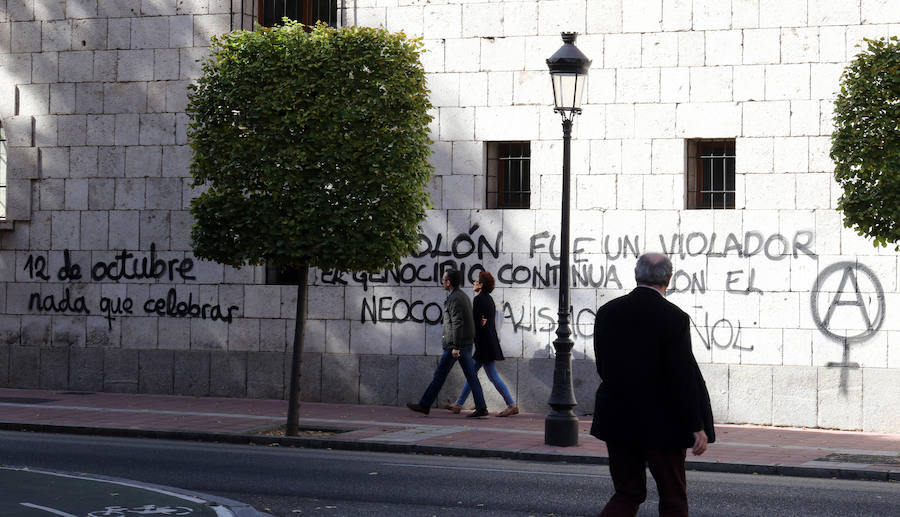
(419, 409)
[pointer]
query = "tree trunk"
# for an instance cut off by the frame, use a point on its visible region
(293, 417)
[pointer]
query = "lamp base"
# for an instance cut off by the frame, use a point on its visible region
(561, 428)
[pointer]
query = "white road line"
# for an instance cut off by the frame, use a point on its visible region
(505, 471)
(48, 510)
(112, 482)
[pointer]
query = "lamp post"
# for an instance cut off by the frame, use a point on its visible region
(568, 70)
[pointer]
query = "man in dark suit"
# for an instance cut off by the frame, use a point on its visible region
(457, 342)
(652, 403)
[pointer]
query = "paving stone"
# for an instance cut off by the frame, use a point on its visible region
(378, 380)
(35, 331)
(54, 373)
(86, 369)
(24, 366)
(120, 370)
(156, 369)
(4, 364)
(535, 383)
(415, 372)
(340, 378)
(585, 381)
(265, 375)
(192, 373)
(310, 376)
(10, 330)
(228, 374)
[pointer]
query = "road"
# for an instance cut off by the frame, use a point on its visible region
(291, 482)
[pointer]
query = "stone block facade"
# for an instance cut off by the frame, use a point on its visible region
(792, 314)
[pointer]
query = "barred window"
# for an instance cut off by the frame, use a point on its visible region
(710, 174)
(508, 177)
(307, 12)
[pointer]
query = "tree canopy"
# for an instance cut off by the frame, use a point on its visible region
(866, 142)
(311, 147)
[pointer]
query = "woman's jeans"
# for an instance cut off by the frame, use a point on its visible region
(490, 368)
(443, 369)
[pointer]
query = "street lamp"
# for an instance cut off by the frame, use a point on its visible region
(568, 70)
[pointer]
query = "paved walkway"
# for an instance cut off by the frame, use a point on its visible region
(740, 448)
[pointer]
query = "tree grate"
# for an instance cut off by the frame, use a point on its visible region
(871, 459)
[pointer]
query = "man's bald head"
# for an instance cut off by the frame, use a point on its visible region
(653, 269)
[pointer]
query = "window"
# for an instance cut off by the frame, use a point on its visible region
(281, 275)
(710, 174)
(508, 175)
(307, 12)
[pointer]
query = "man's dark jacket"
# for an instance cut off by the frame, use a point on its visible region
(652, 393)
(459, 325)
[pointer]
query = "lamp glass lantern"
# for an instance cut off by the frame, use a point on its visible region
(568, 71)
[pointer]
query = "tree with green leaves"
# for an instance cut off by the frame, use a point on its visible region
(865, 144)
(311, 150)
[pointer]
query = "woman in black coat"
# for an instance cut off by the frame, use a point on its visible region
(487, 346)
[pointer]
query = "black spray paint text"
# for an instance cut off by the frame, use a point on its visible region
(125, 265)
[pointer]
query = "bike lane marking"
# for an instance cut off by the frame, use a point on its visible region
(48, 510)
(68, 495)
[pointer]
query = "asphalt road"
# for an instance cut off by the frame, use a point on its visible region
(292, 482)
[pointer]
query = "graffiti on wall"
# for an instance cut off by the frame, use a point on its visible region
(124, 265)
(470, 251)
(596, 264)
(858, 299)
(721, 334)
(845, 295)
(855, 283)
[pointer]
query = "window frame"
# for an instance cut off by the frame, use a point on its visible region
(500, 155)
(305, 9)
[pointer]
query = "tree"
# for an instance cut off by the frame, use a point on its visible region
(311, 148)
(865, 144)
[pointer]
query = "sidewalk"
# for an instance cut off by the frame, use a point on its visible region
(739, 448)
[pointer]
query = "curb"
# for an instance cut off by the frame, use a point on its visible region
(447, 450)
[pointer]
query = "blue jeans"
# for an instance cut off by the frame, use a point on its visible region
(443, 369)
(490, 368)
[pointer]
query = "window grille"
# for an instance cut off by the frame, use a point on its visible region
(710, 174)
(307, 12)
(508, 175)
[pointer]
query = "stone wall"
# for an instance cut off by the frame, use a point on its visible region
(92, 95)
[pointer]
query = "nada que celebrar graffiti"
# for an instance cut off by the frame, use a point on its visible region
(124, 265)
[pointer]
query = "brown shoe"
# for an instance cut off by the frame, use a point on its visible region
(452, 406)
(509, 411)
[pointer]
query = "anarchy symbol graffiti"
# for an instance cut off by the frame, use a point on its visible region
(848, 294)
